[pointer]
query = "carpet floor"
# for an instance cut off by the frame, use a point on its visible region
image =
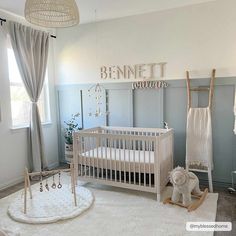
(119, 212)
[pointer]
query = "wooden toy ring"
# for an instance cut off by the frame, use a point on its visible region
(41, 187)
(46, 186)
(54, 185)
(59, 186)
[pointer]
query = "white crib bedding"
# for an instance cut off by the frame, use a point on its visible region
(121, 154)
(119, 159)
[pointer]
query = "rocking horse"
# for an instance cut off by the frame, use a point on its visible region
(186, 185)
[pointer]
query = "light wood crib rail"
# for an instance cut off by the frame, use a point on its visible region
(134, 158)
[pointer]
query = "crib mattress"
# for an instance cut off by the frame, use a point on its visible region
(119, 159)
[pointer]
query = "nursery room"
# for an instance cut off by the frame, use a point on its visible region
(117, 117)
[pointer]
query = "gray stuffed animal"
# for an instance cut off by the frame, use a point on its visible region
(184, 184)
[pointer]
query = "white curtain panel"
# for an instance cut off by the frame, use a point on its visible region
(31, 51)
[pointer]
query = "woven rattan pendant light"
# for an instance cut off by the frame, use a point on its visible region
(52, 13)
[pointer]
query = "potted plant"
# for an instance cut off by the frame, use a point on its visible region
(70, 127)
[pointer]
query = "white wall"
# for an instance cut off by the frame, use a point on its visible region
(196, 38)
(14, 143)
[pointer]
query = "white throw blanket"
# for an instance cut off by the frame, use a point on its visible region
(199, 138)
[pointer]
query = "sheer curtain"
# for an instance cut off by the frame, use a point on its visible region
(30, 47)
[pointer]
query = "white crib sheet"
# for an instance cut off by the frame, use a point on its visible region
(119, 159)
(121, 155)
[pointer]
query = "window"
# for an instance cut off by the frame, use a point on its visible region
(20, 102)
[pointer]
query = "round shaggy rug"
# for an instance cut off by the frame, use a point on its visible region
(50, 206)
(6, 232)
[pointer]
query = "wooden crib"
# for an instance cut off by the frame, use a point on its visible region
(134, 158)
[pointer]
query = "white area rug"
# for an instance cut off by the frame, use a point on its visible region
(51, 206)
(6, 232)
(119, 212)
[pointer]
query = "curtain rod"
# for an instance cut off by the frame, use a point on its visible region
(4, 20)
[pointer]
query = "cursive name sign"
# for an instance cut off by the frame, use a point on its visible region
(149, 84)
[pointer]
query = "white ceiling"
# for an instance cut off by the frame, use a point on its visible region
(109, 9)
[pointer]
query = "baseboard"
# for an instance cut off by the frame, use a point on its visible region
(56, 164)
(215, 183)
(12, 182)
(53, 165)
(21, 178)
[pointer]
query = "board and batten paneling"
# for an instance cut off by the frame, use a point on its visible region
(175, 110)
(120, 107)
(150, 107)
(224, 152)
(90, 105)
(69, 103)
(222, 130)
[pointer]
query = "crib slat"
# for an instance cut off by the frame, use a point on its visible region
(82, 161)
(94, 159)
(139, 169)
(102, 156)
(129, 161)
(97, 158)
(124, 143)
(115, 148)
(106, 143)
(87, 156)
(84, 156)
(119, 161)
(110, 159)
(81, 155)
(90, 147)
(144, 161)
(134, 160)
(149, 160)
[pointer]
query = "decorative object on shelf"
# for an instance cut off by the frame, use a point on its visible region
(185, 184)
(149, 84)
(96, 91)
(52, 13)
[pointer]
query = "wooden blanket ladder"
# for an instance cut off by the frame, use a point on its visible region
(211, 92)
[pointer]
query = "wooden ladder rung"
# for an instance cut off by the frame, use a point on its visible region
(200, 89)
